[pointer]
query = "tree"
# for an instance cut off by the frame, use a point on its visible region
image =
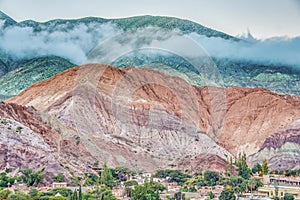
(145, 192)
(264, 167)
(90, 179)
(173, 175)
(57, 198)
(104, 193)
(131, 183)
(227, 195)
(4, 194)
(157, 187)
(106, 177)
(18, 196)
(211, 195)
(288, 197)
(75, 195)
(5, 180)
(257, 168)
(243, 169)
(237, 184)
(31, 178)
(59, 178)
(35, 194)
(80, 193)
(211, 178)
(231, 166)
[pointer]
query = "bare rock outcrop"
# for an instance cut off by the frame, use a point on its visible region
(281, 149)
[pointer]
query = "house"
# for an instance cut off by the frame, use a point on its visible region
(59, 185)
(280, 185)
(271, 191)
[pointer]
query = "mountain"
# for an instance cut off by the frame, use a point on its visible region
(130, 24)
(160, 117)
(140, 41)
(158, 135)
(30, 71)
(6, 20)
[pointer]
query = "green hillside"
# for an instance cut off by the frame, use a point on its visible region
(29, 72)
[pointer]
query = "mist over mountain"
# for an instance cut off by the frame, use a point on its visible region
(73, 39)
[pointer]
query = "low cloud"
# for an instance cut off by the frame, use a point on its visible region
(276, 51)
(72, 44)
(95, 42)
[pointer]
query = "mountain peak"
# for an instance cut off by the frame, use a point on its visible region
(7, 20)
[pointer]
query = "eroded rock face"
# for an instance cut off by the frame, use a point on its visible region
(28, 141)
(143, 118)
(22, 148)
(281, 149)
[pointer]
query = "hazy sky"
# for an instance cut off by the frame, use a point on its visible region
(264, 18)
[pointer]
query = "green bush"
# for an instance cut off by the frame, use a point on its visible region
(211, 178)
(227, 195)
(19, 196)
(4, 194)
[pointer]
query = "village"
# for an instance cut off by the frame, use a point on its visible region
(238, 182)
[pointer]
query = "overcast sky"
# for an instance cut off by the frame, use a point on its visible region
(264, 18)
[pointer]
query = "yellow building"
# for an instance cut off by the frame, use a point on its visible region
(281, 190)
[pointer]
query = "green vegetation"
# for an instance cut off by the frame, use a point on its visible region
(31, 178)
(211, 195)
(35, 194)
(243, 169)
(30, 71)
(211, 178)
(173, 175)
(288, 197)
(6, 181)
(4, 194)
(59, 178)
(257, 168)
(227, 195)
(108, 178)
(104, 193)
(149, 191)
(264, 167)
(90, 179)
(19, 196)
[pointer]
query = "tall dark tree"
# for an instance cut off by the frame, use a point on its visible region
(264, 167)
(80, 193)
(243, 169)
(106, 177)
